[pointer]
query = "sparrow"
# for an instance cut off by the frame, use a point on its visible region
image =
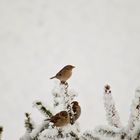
(76, 110)
(64, 74)
(60, 119)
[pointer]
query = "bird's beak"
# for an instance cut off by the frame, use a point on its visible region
(73, 66)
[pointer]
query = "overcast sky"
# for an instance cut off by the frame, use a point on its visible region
(38, 37)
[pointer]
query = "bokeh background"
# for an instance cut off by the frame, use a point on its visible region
(38, 37)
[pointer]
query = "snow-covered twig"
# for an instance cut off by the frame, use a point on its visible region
(89, 135)
(109, 131)
(1, 130)
(135, 134)
(72, 131)
(46, 112)
(111, 112)
(63, 101)
(74, 135)
(26, 136)
(135, 111)
(63, 98)
(48, 134)
(68, 132)
(67, 103)
(29, 125)
(35, 133)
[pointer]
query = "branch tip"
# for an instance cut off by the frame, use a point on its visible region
(1, 128)
(107, 89)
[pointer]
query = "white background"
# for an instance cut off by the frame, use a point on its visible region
(38, 37)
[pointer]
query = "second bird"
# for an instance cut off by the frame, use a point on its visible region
(60, 119)
(64, 74)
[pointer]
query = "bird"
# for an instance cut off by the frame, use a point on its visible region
(60, 119)
(64, 74)
(76, 110)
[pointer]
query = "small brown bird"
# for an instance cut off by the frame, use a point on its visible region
(64, 74)
(60, 119)
(76, 109)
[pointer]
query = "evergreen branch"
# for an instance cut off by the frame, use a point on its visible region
(111, 112)
(73, 135)
(28, 123)
(107, 131)
(68, 97)
(112, 132)
(63, 98)
(135, 134)
(135, 111)
(88, 135)
(47, 113)
(39, 129)
(1, 131)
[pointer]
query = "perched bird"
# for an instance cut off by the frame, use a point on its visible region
(60, 119)
(64, 74)
(76, 110)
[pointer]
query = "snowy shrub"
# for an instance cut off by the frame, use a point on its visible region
(60, 121)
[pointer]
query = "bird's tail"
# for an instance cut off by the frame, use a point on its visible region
(53, 77)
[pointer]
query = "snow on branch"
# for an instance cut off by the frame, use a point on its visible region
(29, 125)
(62, 124)
(61, 95)
(26, 136)
(46, 112)
(135, 134)
(135, 110)
(63, 98)
(109, 131)
(111, 112)
(48, 134)
(69, 132)
(89, 135)
(1, 131)
(40, 128)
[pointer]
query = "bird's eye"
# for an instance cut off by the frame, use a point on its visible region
(60, 74)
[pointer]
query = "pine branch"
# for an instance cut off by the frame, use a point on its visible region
(39, 129)
(135, 111)
(57, 97)
(67, 103)
(107, 131)
(89, 135)
(74, 135)
(111, 112)
(26, 136)
(47, 113)
(28, 123)
(67, 99)
(112, 132)
(63, 98)
(46, 130)
(1, 131)
(124, 135)
(135, 134)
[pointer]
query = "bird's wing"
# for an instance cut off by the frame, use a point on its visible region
(60, 72)
(55, 118)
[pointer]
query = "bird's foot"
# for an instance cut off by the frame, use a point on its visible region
(64, 83)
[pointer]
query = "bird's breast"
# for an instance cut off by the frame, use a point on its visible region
(66, 75)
